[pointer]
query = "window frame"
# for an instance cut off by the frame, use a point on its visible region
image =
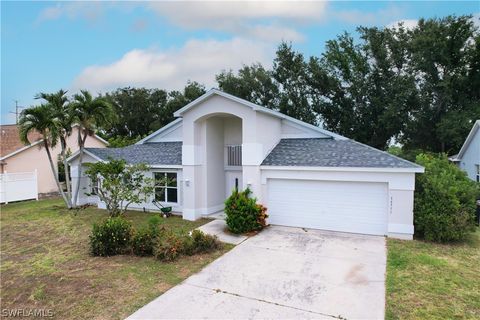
(478, 172)
(165, 187)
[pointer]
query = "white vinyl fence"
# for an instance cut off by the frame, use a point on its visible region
(18, 186)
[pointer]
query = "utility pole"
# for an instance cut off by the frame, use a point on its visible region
(17, 112)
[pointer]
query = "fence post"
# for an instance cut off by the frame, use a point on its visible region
(4, 186)
(36, 185)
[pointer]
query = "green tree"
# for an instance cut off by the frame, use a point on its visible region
(138, 111)
(445, 55)
(88, 114)
(291, 73)
(141, 111)
(43, 120)
(58, 104)
(362, 90)
(120, 184)
(253, 83)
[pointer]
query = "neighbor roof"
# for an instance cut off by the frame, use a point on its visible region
(158, 153)
(11, 142)
(318, 152)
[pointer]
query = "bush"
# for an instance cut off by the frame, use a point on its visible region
(199, 242)
(444, 200)
(145, 239)
(111, 237)
(169, 247)
(243, 213)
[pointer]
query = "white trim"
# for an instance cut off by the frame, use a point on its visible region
(400, 228)
(73, 156)
(166, 167)
(255, 107)
(162, 129)
(476, 126)
(166, 187)
(21, 149)
(343, 169)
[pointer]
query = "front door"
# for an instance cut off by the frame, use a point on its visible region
(233, 180)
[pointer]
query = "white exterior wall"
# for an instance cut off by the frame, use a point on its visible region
(84, 180)
(401, 188)
(471, 157)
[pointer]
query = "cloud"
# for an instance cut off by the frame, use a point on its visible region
(408, 24)
(232, 14)
(197, 60)
(358, 17)
(88, 10)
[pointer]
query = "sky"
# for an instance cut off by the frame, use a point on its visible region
(100, 46)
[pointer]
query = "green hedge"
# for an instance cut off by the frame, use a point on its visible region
(243, 213)
(444, 200)
(111, 237)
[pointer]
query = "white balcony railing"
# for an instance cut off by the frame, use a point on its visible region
(234, 155)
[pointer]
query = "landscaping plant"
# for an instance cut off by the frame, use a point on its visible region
(111, 237)
(444, 200)
(243, 212)
(145, 239)
(170, 246)
(120, 184)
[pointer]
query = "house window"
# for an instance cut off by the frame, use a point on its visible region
(94, 183)
(166, 187)
(234, 155)
(478, 172)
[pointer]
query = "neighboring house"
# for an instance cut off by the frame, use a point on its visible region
(468, 159)
(16, 157)
(306, 176)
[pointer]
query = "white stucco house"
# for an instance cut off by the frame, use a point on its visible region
(468, 159)
(306, 176)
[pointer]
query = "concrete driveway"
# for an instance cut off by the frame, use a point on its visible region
(284, 273)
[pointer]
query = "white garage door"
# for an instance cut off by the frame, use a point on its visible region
(357, 207)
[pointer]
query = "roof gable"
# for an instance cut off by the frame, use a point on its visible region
(470, 137)
(10, 137)
(12, 145)
(255, 107)
(162, 132)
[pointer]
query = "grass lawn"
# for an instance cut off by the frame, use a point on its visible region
(45, 264)
(433, 281)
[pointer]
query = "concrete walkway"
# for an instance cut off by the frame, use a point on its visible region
(218, 228)
(287, 273)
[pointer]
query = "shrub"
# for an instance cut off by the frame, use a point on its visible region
(169, 247)
(199, 242)
(111, 237)
(145, 239)
(444, 200)
(243, 213)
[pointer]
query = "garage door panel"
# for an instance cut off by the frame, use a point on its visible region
(339, 206)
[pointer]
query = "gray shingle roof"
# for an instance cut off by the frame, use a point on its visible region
(316, 152)
(158, 153)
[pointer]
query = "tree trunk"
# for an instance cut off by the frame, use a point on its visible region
(67, 178)
(55, 175)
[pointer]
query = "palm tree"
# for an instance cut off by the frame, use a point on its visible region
(43, 120)
(58, 103)
(89, 113)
